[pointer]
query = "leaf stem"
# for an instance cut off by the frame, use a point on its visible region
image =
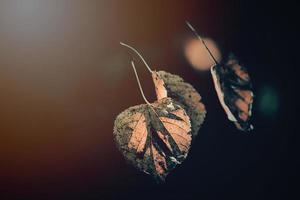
(141, 57)
(203, 42)
(139, 83)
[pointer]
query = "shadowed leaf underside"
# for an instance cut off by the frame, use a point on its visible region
(234, 89)
(182, 93)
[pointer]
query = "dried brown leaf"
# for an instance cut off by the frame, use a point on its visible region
(154, 138)
(234, 89)
(233, 86)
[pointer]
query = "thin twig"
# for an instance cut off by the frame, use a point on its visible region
(139, 83)
(133, 49)
(200, 38)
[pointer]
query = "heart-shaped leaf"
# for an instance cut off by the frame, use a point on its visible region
(154, 138)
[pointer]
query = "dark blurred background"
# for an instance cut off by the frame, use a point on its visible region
(64, 78)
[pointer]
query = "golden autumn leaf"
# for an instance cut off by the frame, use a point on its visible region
(154, 138)
(182, 93)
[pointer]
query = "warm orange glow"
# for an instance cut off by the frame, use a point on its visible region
(198, 56)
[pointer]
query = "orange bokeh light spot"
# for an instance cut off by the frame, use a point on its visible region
(197, 54)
